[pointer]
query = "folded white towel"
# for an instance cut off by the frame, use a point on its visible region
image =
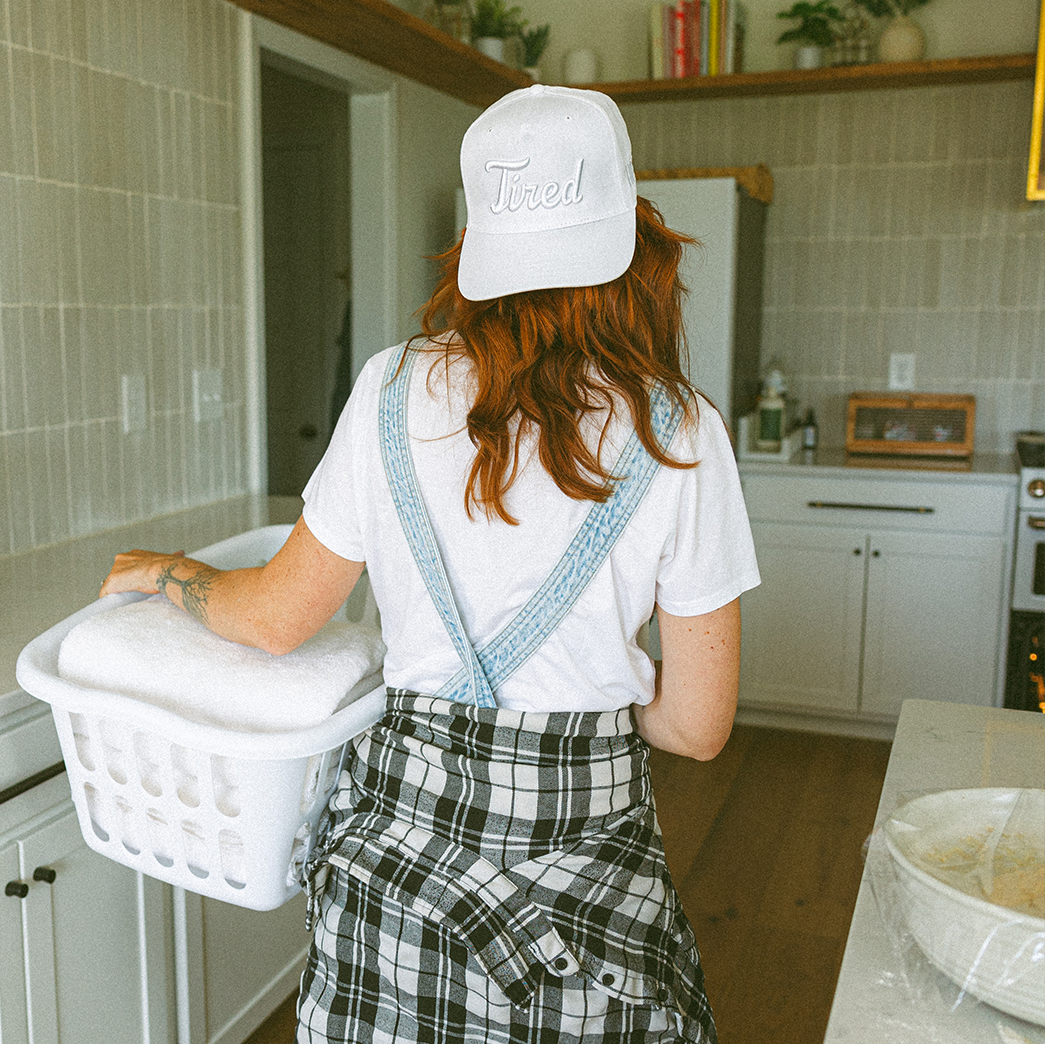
(154, 651)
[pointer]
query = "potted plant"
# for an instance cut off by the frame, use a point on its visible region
(534, 42)
(902, 40)
(814, 32)
(492, 23)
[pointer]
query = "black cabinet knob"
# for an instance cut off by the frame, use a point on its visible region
(45, 873)
(18, 889)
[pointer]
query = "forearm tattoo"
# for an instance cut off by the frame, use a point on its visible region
(194, 589)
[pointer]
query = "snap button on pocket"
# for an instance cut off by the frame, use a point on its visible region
(561, 964)
(663, 996)
(608, 980)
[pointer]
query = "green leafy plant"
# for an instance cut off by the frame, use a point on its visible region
(534, 43)
(495, 18)
(889, 8)
(815, 25)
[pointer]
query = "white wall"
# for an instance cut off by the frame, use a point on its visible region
(431, 127)
(617, 30)
(121, 253)
(898, 224)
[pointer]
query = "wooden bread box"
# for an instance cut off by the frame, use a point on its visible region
(910, 424)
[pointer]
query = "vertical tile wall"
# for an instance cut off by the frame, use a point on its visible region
(119, 255)
(899, 225)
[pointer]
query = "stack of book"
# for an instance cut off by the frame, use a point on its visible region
(696, 38)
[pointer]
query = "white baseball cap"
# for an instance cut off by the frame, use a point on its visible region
(550, 192)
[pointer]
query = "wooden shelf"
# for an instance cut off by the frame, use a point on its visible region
(389, 37)
(879, 76)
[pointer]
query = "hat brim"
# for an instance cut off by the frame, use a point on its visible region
(496, 264)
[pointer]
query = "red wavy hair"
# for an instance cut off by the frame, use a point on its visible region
(546, 358)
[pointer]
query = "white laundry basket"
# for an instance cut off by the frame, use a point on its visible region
(226, 814)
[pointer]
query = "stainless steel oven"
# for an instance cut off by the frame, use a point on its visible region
(1025, 671)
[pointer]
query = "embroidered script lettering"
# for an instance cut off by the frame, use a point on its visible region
(513, 192)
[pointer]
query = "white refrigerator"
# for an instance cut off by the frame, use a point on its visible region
(722, 313)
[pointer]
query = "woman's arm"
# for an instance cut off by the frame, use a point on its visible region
(274, 607)
(696, 698)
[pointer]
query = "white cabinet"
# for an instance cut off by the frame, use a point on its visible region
(83, 957)
(802, 628)
(92, 952)
(235, 965)
(874, 591)
(14, 1026)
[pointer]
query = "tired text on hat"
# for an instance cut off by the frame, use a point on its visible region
(512, 192)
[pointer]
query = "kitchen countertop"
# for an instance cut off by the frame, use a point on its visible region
(1000, 468)
(938, 746)
(41, 587)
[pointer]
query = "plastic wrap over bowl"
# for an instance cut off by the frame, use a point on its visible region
(970, 869)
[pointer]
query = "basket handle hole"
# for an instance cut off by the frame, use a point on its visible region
(233, 864)
(148, 761)
(159, 837)
(94, 809)
(225, 781)
(186, 781)
(82, 741)
(194, 841)
(128, 826)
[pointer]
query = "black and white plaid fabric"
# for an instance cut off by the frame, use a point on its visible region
(498, 876)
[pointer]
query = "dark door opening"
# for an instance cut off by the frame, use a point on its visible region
(307, 247)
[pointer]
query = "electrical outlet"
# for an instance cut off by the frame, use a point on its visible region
(206, 395)
(901, 371)
(134, 412)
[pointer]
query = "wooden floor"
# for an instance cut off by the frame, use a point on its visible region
(764, 844)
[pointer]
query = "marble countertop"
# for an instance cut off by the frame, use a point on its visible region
(1000, 468)
(938, 746)
(41, 587)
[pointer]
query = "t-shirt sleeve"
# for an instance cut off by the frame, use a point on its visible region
(711, 559)
(334, 492)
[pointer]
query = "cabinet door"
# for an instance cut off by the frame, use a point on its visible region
(95, 963)
(13, 1026)
(934, 611)
(802, 627)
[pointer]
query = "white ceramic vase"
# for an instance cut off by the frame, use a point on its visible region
(902, 40)
(580, 66)
(808, 56)
(491, 46)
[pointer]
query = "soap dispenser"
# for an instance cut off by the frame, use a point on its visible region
(769, 430)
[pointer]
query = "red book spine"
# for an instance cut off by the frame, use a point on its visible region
(678, 64)
(668, 38)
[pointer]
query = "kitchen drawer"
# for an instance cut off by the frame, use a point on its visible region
(28, 743)
(927, 506)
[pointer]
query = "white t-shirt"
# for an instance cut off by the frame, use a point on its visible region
(687, 548)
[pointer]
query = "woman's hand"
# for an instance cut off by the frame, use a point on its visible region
(274, 607)
(138, 571)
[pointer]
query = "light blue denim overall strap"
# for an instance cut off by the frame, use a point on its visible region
(486, 670)
(413, 516)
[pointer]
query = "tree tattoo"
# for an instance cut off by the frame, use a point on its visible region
(194, 589)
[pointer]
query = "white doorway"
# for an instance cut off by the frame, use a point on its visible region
(318, 139)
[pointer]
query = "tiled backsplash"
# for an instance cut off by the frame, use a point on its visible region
(119, 255)
(898, 225)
